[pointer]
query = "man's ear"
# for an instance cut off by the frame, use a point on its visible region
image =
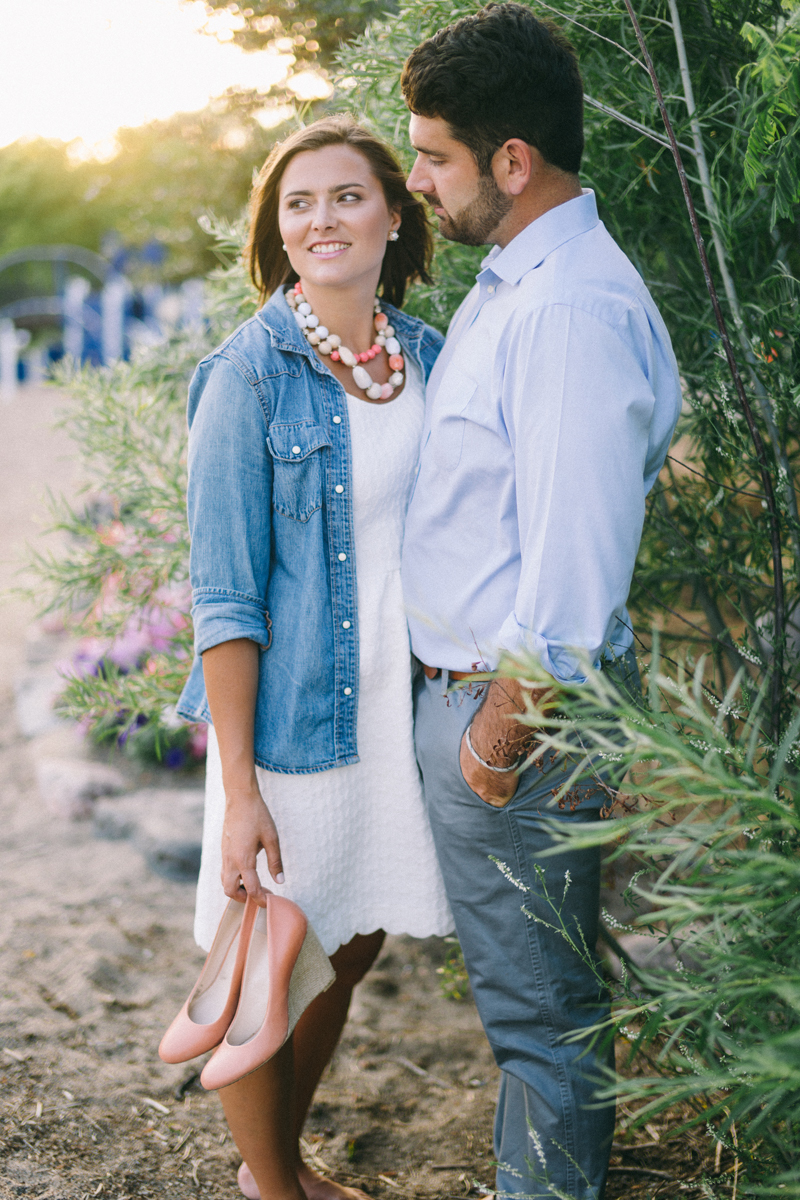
(513, 165)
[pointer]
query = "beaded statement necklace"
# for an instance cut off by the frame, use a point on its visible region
(330, 343)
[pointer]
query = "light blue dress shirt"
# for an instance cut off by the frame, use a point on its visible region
(549, 414)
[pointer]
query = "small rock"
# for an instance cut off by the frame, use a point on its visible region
(69, 786)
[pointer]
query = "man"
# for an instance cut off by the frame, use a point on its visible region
(549, 414)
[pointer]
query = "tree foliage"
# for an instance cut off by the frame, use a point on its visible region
(165, 176)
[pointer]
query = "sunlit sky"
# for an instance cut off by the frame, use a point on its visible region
(82, 68)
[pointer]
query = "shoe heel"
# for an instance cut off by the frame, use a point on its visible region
(312, 975)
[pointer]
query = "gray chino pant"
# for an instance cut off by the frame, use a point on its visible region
(531, 988)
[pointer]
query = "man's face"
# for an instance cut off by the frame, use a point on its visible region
(469, 205)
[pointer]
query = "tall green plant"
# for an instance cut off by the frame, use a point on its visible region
(716, 831)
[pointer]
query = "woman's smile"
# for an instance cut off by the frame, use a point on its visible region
(329, 248)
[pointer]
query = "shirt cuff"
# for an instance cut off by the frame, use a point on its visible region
(567, 664)
(221, 616)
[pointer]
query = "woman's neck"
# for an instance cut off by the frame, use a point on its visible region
(346, 311)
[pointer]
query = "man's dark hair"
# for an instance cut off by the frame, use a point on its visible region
(499, 74)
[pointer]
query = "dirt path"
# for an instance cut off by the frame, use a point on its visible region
(96, 956)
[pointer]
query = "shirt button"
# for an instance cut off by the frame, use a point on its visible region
(348, 691)
(342, 558)
(490, 289)
(337, 420)
(295, 449)
(339, 488)
(345, 624)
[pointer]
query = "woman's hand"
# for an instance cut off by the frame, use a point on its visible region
(248, 828)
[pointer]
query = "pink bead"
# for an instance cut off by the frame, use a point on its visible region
(373, 353)
(386, 391)
(335, 355)
(363, 356)
(381, 321)
(396, 362)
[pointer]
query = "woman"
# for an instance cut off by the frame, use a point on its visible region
(301, 465)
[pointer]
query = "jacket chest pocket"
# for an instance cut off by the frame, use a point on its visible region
(297, 451)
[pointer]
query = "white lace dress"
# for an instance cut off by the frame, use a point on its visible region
(357, 849)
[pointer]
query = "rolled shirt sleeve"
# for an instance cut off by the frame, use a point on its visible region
(229, 506)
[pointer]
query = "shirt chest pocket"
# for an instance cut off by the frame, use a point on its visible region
(447, 432)
(297, 451)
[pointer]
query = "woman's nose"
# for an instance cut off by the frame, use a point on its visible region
(324, 217)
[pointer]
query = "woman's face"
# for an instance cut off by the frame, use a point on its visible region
(333, 217)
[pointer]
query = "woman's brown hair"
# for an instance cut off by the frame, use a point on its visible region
(405, 260)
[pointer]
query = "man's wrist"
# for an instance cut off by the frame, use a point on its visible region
(483, 763)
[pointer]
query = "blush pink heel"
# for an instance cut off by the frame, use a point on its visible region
(204, 1018)
(286, 969)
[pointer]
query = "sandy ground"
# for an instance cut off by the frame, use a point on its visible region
(96, 956)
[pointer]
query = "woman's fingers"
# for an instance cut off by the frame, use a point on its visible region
(272, 849)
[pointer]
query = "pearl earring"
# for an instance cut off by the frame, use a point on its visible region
(393, 235)
(283, 245)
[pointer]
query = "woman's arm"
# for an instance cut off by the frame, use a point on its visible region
(230, 670)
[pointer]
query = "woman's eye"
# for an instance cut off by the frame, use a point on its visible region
(350, 196)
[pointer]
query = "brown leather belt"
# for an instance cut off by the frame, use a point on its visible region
(432, 672)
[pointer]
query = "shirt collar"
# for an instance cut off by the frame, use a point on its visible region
(544, 235)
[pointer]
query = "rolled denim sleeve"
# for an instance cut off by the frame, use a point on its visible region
(579, 405)
(229, 506)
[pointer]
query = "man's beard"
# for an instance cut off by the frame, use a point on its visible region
(475, 224)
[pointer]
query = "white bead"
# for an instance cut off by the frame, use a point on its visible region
(388, 331)
(325, 347)
(374, 391)
(301, 321)
(311, 321)
(322, 331)
(334, 340)
(396, 379)
(291, 299)
(347, 356)
(362, 377)
(313, 338)
(380, 340)
(304, 307)
(393, 346)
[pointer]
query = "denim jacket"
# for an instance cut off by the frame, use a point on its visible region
(270, 518)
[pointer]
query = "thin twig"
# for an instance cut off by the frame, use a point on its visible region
(777, 562)
(716, 483)
(629, 121)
